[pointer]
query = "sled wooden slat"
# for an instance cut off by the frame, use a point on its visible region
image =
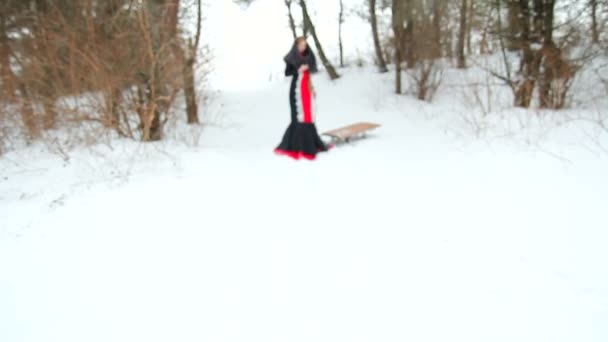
(345, 134)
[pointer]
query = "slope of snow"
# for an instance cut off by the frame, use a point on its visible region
(422, 232)
(409, 235)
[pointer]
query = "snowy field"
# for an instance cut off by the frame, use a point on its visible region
(432, 229)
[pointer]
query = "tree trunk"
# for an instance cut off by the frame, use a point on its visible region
(113, 95)
(538, 21)
(47, 95)
(548, 19)
(28, 116)
(7, 78)
(340, 43)
(333, 74)
(305, 28)
(436, 44)
(550, 56)
(157, 107)
(292, 23)
(190, 88)
(408, 44)
(595, 33)
(515, 22)
(377, 44)
(189, 71)
(50, 113)
(186, 56)
(397, 23)
(157, 19)
(113, 99)
(484, 47)
(529, 64)
(171, 18)
(462, 33)
(470, 18)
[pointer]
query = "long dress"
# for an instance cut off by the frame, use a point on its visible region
(301, 139)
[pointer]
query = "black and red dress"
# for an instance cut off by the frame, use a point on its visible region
(301, 140)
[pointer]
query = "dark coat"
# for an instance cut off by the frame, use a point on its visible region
(294, 60)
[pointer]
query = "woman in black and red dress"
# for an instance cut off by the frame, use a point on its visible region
(301, 140)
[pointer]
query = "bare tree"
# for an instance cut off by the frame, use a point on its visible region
(7, 77)
(426, 78)
(529, 64)
(595, 33)
(305, 28)
(189, 75)
(462, 35)
(409, 44)
(514, 24)
(438, 8)
(542, 65)
(376, 36)
(333, 74)
(340, 43)
(399, 32)
(554, 67)
(186, 53)
(469, 29)
(292, 23)
(73, 49)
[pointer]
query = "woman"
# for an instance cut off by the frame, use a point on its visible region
(301, 139)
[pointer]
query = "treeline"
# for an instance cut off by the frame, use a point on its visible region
(425, 32)
(127, 61)
(542, 44)
(127, 57)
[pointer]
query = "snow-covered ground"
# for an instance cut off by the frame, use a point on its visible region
(436, 228)
(413, 234)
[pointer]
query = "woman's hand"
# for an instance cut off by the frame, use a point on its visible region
(304, 67)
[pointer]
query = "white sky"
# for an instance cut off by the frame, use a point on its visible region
(248, 45)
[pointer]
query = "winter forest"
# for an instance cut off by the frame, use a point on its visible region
(140, 198)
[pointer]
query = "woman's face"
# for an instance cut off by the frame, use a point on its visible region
(302, 46)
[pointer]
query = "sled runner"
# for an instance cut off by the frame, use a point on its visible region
(346, 134)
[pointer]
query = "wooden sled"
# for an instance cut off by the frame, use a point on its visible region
(348, 133)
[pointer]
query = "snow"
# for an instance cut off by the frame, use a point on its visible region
(426, 231)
